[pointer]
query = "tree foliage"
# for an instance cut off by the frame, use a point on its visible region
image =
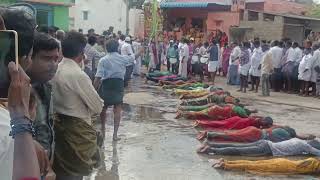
(314, 11)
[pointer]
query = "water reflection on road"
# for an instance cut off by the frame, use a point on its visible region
(154, 145)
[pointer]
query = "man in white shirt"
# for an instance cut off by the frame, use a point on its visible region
(289, 66)
(184, 56)
(121, 41)
(127, 50)
(277, 54)
(75, 102)
(233, 76)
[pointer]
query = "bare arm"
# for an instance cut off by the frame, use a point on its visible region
(25, 163)
(97, 83)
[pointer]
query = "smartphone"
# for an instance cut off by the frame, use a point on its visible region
(8, 52)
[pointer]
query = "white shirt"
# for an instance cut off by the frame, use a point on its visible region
(298, 54)
(266, 63)
(235, 55)
(277, 53)
(126, 50)
(74, 94)
(184, 52)
(291, 55)
(120, 44)
(6, 146)
(293, 147)
(294, 54)
(255, 62)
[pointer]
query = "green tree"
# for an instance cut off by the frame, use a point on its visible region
(314, 11)
(308, 2)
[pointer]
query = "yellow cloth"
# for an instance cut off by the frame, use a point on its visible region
(188, 92)
(276, 166)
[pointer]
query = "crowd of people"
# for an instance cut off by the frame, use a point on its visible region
(64, 82)
(46, 124)
(279, 65)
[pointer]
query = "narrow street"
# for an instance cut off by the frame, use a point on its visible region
(156, 146)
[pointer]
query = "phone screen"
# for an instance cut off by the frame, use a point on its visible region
(7, 54)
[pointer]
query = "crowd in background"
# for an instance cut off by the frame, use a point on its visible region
(279, 65)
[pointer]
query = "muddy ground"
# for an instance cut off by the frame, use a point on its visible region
(155, 146)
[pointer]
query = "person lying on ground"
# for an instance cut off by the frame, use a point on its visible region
(272, 166)
(235, 123)
(193, 96)
(187, 86)
(291, 147)
(253, 134)
(216, 112)
(218, 97)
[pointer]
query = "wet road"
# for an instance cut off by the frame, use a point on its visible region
(155, 146)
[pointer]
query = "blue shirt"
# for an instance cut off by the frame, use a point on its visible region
(214, 53)
(113, 65)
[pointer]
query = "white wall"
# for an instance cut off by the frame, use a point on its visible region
(102, 14)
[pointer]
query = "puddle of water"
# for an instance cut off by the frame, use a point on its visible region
(155, 146)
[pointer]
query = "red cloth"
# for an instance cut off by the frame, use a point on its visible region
(218, 112)
(229, 124)
(155, 54)
(249, 134)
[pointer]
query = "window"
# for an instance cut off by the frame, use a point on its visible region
(253, 16)
(85, 15)
(268, 17)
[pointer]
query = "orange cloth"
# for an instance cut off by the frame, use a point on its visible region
(276, 166)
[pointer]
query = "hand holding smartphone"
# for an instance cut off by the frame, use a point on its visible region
(8, 52)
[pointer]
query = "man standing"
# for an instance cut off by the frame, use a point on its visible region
(254, 71)
(184, 56)
(266, 70)
(110, 82)
(127, 50)
(92, 56)
(43, 68)
(136, 47)
(25, 28)
(233, 76)
(213, 60)
(277, 53)
(76, 101)
(172, 57)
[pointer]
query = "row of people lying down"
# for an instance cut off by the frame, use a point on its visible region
(230, 130)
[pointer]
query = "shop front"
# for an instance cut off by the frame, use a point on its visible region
(200, 20)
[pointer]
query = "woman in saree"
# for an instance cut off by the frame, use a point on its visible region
(192, 94)
(271, 166)
(219, 98)
(187, 86)
(253, 134)
(225, 59)
(216, 112)
(235, 123)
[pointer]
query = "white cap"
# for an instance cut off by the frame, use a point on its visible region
(128, 39)
(172, 41)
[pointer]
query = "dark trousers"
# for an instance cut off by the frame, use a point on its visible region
(127, 76)
(60, 177)
(259, 148)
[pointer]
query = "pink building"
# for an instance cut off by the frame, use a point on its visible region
(276, 6)
(209, 16)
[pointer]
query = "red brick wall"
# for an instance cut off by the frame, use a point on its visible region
(284, 7)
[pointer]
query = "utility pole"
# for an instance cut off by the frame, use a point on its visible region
(127, 16)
